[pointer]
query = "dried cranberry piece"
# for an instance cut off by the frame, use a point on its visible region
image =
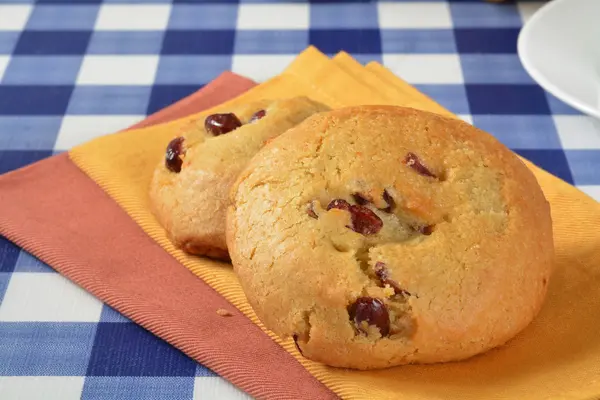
(365, 221)
(257, 115)
(173, 159)
(383, 274)
(296, 343)
(373, 312)
(413, 161)
(311, 211)
(359, 199)
(339, 203)
(426, 229)
(219, 124)
(390, 202)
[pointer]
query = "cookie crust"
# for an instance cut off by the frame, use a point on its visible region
(191, 204)
(461, 261)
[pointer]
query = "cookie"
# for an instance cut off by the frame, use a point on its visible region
(190, 185)
(377, 236)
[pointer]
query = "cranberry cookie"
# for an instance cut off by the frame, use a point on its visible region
(378, 236)
(190, 186)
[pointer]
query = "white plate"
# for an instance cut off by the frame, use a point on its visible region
(560, 48)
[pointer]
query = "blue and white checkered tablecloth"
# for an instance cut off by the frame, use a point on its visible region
(71, 70)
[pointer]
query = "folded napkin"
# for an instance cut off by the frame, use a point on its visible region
(57, 213)
(557, 356)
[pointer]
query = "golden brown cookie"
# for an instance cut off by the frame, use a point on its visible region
(190, 186)
(379, 236)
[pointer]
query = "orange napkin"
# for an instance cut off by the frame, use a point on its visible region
(56, 212)
(558, 355)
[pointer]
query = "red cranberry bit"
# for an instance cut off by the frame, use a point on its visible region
(257, 115)
(359, 199)
(339, 203)
(311, 211)
(219, 124)
(383, 274)
(173, 159)
(426, 229)
(373, 312)
(390, 202)
(365, 221)
(413, 161)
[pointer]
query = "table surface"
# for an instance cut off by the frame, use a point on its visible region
(71, 70)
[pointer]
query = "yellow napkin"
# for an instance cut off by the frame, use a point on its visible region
(557, 356)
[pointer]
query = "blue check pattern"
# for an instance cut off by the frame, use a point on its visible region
(71, 70)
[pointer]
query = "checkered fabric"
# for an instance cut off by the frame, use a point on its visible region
(71, 70)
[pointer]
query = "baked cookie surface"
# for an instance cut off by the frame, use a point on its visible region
(189, 189)
(378, 236)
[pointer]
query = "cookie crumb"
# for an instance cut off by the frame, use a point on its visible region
(388, 291)
(224, 313)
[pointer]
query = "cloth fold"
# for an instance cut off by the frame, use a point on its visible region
(557, 356)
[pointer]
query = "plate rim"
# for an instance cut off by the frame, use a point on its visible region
(538, 76)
